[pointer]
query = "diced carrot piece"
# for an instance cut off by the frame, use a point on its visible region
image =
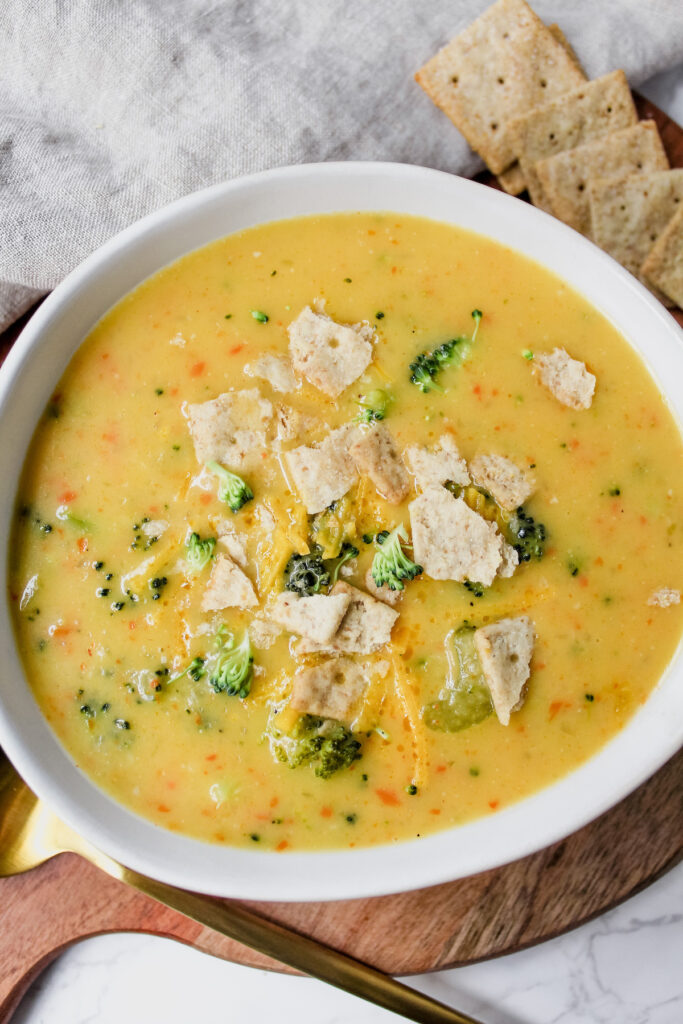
(556, 706)
(388, 797)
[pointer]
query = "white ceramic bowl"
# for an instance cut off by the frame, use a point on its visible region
(26, 382)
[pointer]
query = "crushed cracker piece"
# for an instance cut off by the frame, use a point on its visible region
(505, 649)
(566, 378)
(329, 354)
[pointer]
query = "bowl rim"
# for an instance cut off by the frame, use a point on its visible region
(653, 733)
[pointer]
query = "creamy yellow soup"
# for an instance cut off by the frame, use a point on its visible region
(108, 615)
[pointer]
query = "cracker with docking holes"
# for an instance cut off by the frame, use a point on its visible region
(503, 64)
(565, 177)
(512, 180)
(664, 265)
(594, 109)
(628, 214)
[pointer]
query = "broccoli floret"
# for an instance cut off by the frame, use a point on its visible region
(301, 745)
(231, 669)
(452, 351)
(374, 406)
(306, 574)
(391, 565)
(324, 742)
(425, 368)
(195, 670)
(526, 535)
(198, 552)
(232, 489)
(348, 551)
(339, 749)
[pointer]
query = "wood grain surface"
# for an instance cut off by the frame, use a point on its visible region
(501, 911)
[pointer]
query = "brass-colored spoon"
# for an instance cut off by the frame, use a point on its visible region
(31, 834)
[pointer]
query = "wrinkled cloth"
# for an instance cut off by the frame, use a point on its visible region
(111, 108)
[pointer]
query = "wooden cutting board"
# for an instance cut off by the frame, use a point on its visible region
(501, 911)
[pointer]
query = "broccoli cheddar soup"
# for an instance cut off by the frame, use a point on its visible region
(345, 530)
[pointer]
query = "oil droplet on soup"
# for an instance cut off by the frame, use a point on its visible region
(130, 540)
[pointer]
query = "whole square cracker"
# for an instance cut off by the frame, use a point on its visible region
(594, 109)
(565, 177)
(664, 264)
(512, 180)
(504, 63)
(628, 214)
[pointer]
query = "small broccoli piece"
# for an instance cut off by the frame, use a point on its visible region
(339, 749)
(65, 514)
(465, 699)
(426, 366)
(231, 669)
(232, 489)
(573, 565)
(391, 565)
(519, 528)
(195, 670)
(348, 551)
(374, 406)
(526, 535)
(198, 552)
(452, 352)
(446, 351)
(306, 574)
(423, 370)
(156, 585)
(324, 742)
(301, 745)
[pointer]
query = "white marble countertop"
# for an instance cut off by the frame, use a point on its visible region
(623, 968)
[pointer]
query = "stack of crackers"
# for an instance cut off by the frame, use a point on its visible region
(515, 89)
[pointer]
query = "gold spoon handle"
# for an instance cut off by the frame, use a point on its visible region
(297, 951)
(30, 834)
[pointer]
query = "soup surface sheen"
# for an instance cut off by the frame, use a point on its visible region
(107, 617)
